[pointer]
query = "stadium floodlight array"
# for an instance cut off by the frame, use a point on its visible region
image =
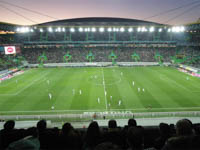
(115, 29)
(178, 29)
(23, 29)
(143, 29)
(58, 29)
(174, 29)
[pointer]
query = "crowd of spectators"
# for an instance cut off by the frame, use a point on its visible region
(7, 62)
(101, 54)
(182, 136)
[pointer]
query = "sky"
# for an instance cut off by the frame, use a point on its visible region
(66, 9)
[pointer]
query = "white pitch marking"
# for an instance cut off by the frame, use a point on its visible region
(104, 89)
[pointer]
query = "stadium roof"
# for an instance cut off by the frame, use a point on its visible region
(4, 26)
(98, 21)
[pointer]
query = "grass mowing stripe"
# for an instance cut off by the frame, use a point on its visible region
(174, 91)
(62, 80)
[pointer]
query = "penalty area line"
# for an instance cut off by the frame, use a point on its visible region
(34, 81)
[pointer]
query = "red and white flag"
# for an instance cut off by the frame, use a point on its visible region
(10, 50)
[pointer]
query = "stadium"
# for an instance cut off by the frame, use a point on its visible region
(100, 68)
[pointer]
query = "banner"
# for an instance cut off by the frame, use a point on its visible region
(10, 50)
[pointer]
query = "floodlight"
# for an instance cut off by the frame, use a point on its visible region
(115, 29)
(160, 30)
(58, 29)
(80, 29)
(109, 29)
(130, 30)
(41, 30)
(169, 30)
(18, 29)
(31, 30)
(122, 29)
(151, 29)
(86, 29)
(138, 29)
(93, 29)
(101, 29)
(23, 29)
(143, 29)
(63, 29)
(27, 29)
(50, 29)
(175, 29)
(72, 30)
(182, 28)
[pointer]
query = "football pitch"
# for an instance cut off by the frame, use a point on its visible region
(78, 90)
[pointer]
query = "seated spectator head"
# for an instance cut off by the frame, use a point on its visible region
(93, 129)
(132, 122)
(183, 128)
(9, 125)
(135, 137)
(164, 129)
(41, 125)
(112, 124)
(67, 128)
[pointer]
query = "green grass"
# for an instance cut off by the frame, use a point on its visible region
(166, 89)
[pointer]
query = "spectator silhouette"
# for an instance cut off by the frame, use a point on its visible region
(9, 134)
(135, 138)
(113, 134)
(184, 139)
(164, 135)
(69, 138)
(47, 137)
(93, 136)
(30, 142)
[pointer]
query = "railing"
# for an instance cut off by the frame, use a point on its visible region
(101, 115)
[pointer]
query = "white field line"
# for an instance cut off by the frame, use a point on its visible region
(22, 89)
(42, 111)
(104, 88)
